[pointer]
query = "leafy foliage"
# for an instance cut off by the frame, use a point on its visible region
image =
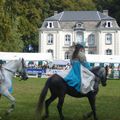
(20, 19)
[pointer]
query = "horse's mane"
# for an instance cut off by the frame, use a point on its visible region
(94, 69)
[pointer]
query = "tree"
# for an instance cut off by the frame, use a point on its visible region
(9, 38)
(113, 6)
(20, 19)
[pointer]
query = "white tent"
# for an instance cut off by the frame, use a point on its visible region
(48, 57)
(61, 62)
(27, 56)
(103, 58)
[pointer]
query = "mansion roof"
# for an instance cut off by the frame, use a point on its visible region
(88, 20)
(79, 16)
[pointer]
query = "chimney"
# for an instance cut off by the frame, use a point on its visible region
(55, 12)
(105, 12)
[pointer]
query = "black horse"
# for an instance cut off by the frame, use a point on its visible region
(59, 88)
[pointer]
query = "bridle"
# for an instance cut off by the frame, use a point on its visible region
(9, 70)
(98, 76)
(23, 66)
(22, 61)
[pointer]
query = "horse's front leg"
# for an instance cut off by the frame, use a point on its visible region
(87, 115)
(7, 94)
(91, 98)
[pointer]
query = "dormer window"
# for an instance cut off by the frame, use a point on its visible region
(50, 25)
(79, 25)
(108, 24)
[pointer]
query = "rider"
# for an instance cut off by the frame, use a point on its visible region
(74, 77)
(79, 54)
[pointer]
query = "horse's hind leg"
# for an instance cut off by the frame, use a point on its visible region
(47, 103)
(59, 106)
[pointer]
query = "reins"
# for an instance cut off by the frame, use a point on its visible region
(9, 70)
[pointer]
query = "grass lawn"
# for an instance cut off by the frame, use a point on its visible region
(27, 94)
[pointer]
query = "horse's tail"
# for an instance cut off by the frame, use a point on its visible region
(41, 100)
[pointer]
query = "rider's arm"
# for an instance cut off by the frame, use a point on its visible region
(86, 64)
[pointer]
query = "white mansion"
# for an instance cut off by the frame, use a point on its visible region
(98, 31)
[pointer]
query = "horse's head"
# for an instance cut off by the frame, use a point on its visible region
(101, 73)
(21, 70)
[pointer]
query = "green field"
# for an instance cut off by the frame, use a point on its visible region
(27, 93)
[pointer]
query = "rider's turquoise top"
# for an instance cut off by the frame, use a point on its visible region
(73, 79)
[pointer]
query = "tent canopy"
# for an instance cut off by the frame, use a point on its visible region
(48, 57)
(61, 62)
(26, 56)
(103, 58)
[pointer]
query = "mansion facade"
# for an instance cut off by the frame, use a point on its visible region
(97, 31)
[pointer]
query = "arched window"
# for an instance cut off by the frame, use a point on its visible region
(108, 39)
(50, 39)
(67, 55)
(79, 37)
(67, 39)
(91, 40)
(50, 51)
(108, 52)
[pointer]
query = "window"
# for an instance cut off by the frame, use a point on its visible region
(67, 55)
(108, 39)
(91, 52)
(91, 40)
(50, 39)
(50, 25)
(108, 24)
(79, 25)
(79, 37)
(50, 51)
(108, 52)
(67, 39)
